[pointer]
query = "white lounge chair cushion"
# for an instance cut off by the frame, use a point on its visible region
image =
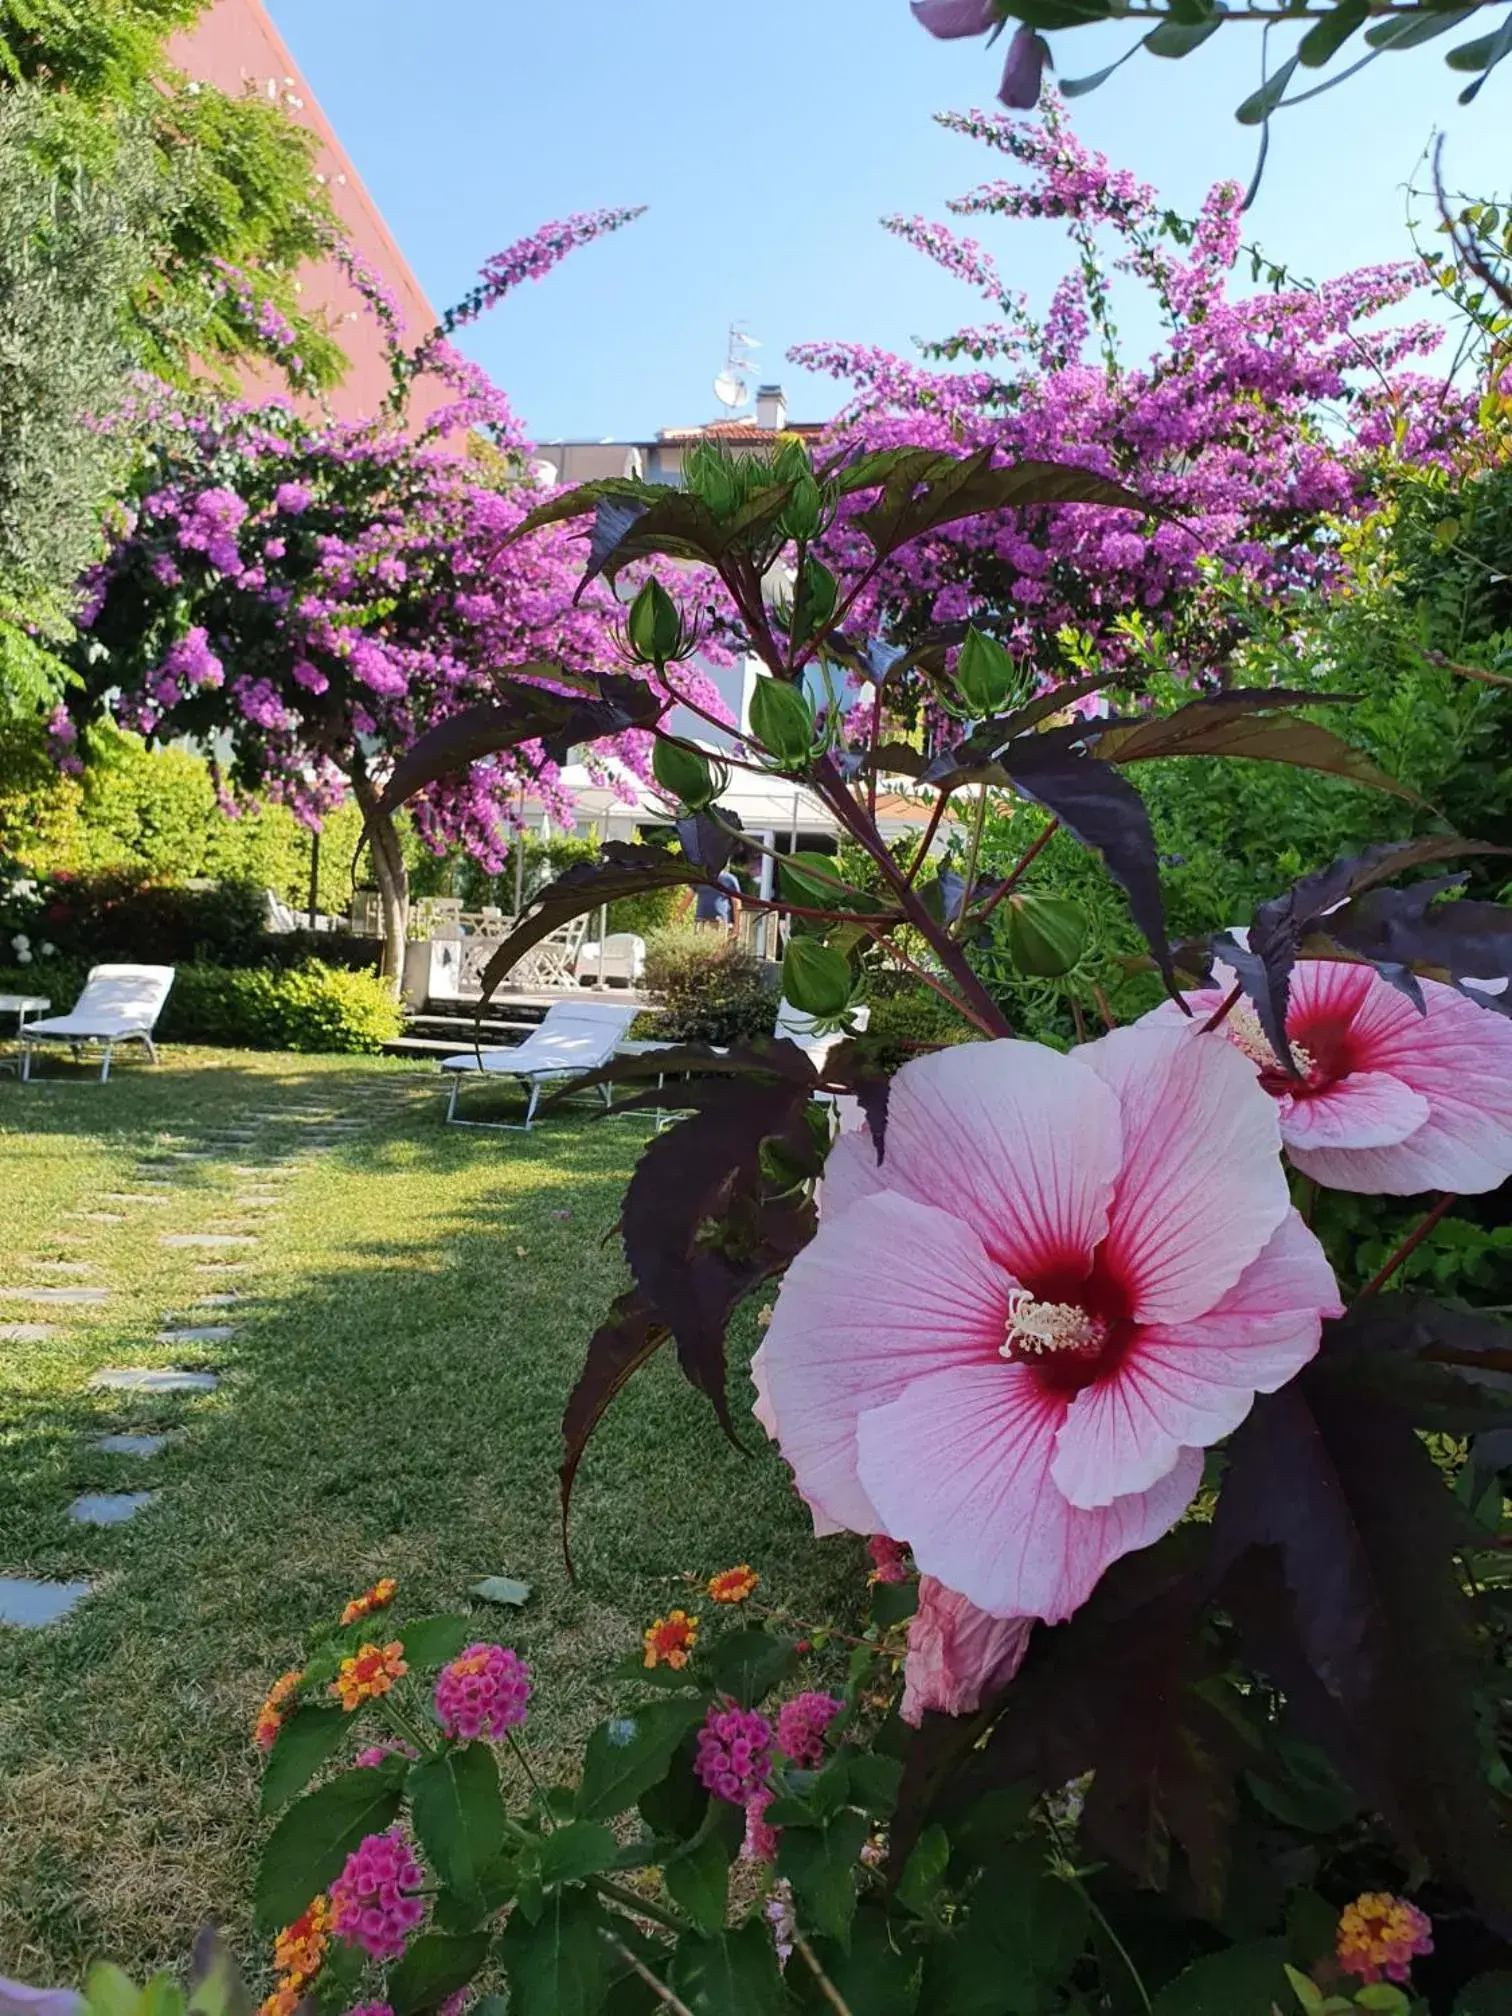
(574, 1037)
(117, 1002)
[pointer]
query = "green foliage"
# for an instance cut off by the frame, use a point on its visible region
(710, 989)
(153, 813)
(74, 245)
(240, 170)
(311, 1007)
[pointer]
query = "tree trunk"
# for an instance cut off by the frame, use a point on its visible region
(391, 873)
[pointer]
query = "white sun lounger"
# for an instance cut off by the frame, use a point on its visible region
(576, 1036)
(120, 1004)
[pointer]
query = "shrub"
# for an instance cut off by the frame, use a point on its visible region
(907, 1020)
(311, 1008)
(709, 987)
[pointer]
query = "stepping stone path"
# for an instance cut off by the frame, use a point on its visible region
(179, 1239)
(108, 1508)
(148, 1379)
(31, 1604)
(65, 1295)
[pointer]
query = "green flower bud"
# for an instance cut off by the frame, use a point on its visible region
(985, 674)
(655, 626)
(791, 462)
(816, 978)
(1046, 935)
(710, 473)
(805, 509)
(782, 722)
(814, 603)
(683, 773)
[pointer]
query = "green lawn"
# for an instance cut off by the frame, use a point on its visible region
(389, 1405)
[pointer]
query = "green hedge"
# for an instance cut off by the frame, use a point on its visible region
(310, 1007)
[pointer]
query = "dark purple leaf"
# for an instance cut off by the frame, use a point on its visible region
(1374, 1644)
(1444, 1368)
(614, 519)
(1407, 927)
(1132, 1689)
(1103, 811)
(579, 502)
(1246, 723)
(1281, 925)
(627, 1338)
(622, 870)
(524, 713)
(917, 499)
(706, 840)
(849, 1070)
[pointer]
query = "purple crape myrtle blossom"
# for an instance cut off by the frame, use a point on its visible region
(322, 594)
(1260, 418)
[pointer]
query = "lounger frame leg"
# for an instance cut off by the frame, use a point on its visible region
(451, 1104)
(105, 1062)
(26, 1057)
(152, 1056)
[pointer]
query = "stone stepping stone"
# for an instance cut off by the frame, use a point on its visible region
(129, 1445)
(27, 1333)
(219, 1301)
(64, 1295)
(207, 1239)
(64, 1266)
(264, 1171)
(261, 1203)
(163, 1196)
(146, 1379)
(98, 1217)
(201, 1333)
(191, 1155)
(29, 1604)
(108, 1508)
(219, 1267)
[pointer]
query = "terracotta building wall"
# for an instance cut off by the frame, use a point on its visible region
(235, 46)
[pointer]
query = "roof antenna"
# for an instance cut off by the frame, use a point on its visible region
(731, 387)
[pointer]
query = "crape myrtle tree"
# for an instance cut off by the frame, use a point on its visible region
(314, 597)
(1264, 413)
(1195, 1517)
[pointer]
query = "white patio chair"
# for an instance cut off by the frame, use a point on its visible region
(621, 956)
(798, 1028)
(550, 963)
(574, 1037)
(120, 1004)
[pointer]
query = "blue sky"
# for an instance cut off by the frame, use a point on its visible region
(767, 139)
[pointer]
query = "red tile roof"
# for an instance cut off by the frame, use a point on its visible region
(743, 431)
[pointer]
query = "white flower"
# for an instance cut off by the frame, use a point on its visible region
(21, 945)
(47, 950)
(24, 958)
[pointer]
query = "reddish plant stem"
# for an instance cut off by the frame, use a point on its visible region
(1110, 1020)
(1409, 1245)
(1224, 1009)
(984, 1011)
(1016, 875)
(941, 801)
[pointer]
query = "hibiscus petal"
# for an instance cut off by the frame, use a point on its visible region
(1186, 1386)
(887, 1290)
(1202, 1187)
(1017, 1140)
(1368, 1109)
(850, 1171)
(957, 1653)
(1459, 1058)
(958, 1465)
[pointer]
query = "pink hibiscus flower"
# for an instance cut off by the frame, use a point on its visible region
(957, 1653)
(1389, 1100)
(1009, 1345)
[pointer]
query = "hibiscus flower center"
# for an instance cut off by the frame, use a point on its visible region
(1242, 1027)
(1038, 1330)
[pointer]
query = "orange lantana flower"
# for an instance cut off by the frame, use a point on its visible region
(378, 1597)
(670, 1639)
(270, 1715)
(301, 1947)
(283, 2001)
(733, 1585)
(371, 1671)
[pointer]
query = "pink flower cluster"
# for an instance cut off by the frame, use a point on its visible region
(373, 1900)
(1231, 425)
(734, 1753)
(801, 1724)
(485, 1691)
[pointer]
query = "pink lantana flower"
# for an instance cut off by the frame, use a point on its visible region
(1389, 1100)
(1009, 1345)
(957, 1654)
